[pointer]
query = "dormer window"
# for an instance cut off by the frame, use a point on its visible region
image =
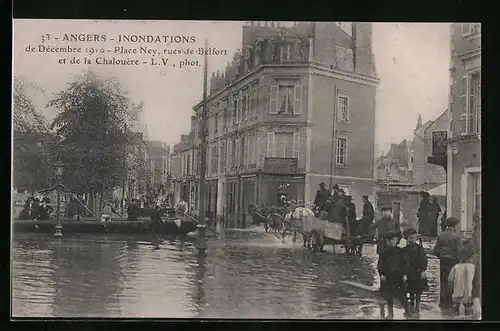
(286, 52)
(346, 27)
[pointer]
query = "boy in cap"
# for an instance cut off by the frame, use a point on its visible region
(461, 279)
(417, 264)
(392, 267)
(386, 224)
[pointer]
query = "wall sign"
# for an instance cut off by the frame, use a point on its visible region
(277, 165)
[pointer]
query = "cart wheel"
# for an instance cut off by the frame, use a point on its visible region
(316, 242)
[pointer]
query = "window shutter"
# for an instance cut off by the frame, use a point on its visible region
(273, 102)
(270, 144)
(237, 151)
(296, 145)
(463, 103)
(228, 153)
(463, 201)
(297, 109)
(256, 100)
(250, 103)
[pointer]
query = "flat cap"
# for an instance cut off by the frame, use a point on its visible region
(409, 232)
(392, 234)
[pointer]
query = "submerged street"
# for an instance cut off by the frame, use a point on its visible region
(246, 274)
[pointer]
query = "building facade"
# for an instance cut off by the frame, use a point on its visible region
(464, 148)
(295, 108)
(429, 139)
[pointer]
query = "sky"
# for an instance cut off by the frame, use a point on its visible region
(412, 61)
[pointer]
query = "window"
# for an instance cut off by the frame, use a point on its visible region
(242, 151)
(476, 184)
(270, 145)
(235, 110)
(343, 108)
(244, 107)
(470, 104)
(216, 122)
(214, 160)
(284, 144)
(341, 151)
(286, 52)
(468, 29)
(296, 145)
(286, 99)
(223, 154)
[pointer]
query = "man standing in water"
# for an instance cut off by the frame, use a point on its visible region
(446, 250)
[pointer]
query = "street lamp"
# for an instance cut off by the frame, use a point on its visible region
(59, 168)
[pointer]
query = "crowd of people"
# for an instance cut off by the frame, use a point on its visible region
(36, 208)
(402, 270)
(336, 206)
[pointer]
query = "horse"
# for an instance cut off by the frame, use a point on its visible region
(297, 220)
(259, 216)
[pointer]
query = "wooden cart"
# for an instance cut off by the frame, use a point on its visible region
(318, 233)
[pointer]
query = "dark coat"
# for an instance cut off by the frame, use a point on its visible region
(321, 197)
(417, 263)
(338, 212)
(385, 226)
(393, 265)
(44, 212)
(368, 211)
(447, 245)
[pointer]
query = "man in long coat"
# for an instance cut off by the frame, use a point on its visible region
(321, 197)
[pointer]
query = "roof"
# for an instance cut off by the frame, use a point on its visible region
(427, 187)
(420, 131)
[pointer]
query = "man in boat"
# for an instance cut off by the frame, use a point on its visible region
(321, 197)
(132, 211)
(45, 210)
(35, 206)
(182, 207)
(106, 213)
(386, 224)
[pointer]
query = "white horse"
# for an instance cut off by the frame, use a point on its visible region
(299, 220)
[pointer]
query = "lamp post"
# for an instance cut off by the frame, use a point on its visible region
(59, 168)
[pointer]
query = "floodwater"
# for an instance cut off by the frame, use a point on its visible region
(245, 274)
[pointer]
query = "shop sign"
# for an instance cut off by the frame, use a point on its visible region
(277, 165)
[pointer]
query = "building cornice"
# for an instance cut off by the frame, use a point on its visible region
(316, 69)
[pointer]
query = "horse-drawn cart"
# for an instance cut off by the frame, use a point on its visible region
(318, 233)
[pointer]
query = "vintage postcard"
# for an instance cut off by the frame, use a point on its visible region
(246, 169)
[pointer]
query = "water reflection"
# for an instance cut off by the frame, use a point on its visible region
(246, 274)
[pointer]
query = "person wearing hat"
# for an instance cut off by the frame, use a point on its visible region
(424, 214)
(368, 215)
(446, 250)
(417, 265)
(386, 224)
(321, 197)
(392, 267)
(351, 214)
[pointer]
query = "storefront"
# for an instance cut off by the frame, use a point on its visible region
(280, 178)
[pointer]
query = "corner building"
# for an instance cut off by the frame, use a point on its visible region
(464, 148)
(296, 107)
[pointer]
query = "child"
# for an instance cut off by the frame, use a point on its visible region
(461, 278)
(417, 264)
(392, 267)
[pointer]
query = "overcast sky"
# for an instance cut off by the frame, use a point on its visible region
(412, 61)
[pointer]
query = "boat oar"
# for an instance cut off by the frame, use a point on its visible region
(196, 221)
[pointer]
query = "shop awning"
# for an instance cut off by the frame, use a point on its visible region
(438, 190)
